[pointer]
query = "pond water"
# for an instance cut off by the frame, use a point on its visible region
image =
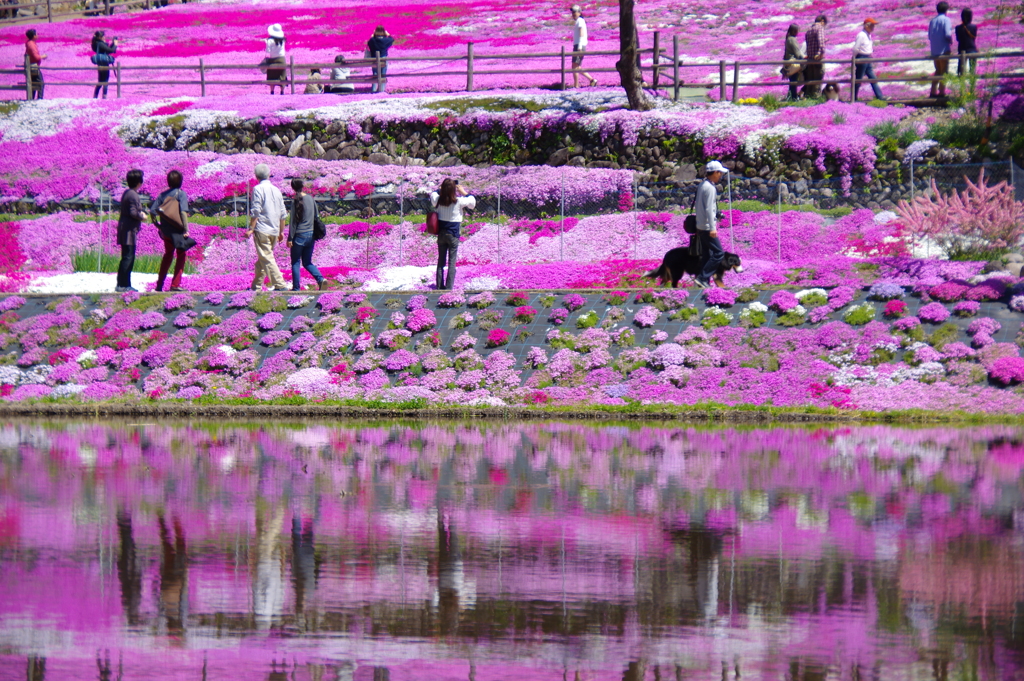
(432, 550)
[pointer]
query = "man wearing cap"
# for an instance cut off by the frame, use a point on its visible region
(863, 48)
(579, 46)
(707, 222)
(814, 71)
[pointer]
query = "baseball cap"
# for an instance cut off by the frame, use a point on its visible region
(869, 20)
(715, 167)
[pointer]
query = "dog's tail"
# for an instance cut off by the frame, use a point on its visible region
(663, 273)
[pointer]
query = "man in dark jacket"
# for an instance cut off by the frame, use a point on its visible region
(128, 225)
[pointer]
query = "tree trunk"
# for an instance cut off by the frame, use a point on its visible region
(629, 73)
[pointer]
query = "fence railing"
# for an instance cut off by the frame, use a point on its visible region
(667, 74)
(54, 9)
(633, 205)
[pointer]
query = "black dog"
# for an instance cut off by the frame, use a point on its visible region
(678, 262)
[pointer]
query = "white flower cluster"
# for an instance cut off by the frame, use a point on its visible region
(800, 295)
(10, 375)
(715, 311)
(37, 374)
(766, 143)
(40, 118)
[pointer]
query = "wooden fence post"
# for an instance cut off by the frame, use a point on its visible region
(721, 81)
(28, 79)
(106, 7)
(291, 73)
(853, 80)
(675, 68)
(117, 75)
(563, 67)
(469, 67)
(380, 77)
(49, 12)
(654, 60)
(202, 78)
(735, 82)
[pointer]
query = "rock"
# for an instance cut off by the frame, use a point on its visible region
(331, 155)
(449, 162)
(318, 150)
(390, 146)
(610, 165)
(684, 173)
(1014, 268)
(827, 193)
(559, 158)
(763, 172)
(783, 189)
(1013, 257)
(577, 161)
(265, 150)
(276, 142)
(294, 147)
(416, 162)
(350, 153)
(379, 159)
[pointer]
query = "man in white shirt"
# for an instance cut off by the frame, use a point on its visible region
(266, 227)
(864, 48)
(579, 46)
(707, 222)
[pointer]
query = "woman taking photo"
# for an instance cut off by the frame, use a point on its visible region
(793, 70)
(300, 236)
(378, 46)
(449, 203)
(104, 59)
(274, 62)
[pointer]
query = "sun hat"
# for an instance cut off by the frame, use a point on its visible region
(275, 31)
(869, 20)
(715, 167)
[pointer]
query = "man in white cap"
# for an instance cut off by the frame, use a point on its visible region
(579, 46)
(707, 222)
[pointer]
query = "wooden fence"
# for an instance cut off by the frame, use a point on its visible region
(661, 74)
(55, 9)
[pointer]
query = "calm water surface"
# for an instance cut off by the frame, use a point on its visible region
(388, 551)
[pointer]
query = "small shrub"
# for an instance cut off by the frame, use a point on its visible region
(587, 320)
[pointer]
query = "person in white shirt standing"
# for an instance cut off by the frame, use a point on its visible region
(707, 222)
(864, 48)
(579, 46)
(449, 203)
(266, 227)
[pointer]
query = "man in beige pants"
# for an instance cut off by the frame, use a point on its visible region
(266, 226)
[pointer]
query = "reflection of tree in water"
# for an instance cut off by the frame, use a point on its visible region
(173, 576)
(36, 668)
(128, 572)
(268, 583)
(703, 547)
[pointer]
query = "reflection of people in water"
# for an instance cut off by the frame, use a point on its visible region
(449, 574)
(173, 577)
(303, 566)
(128, 570)
(268, 582)
(703, 548)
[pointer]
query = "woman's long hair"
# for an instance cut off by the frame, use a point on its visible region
(793, 30)
(97, 38)
(446, 196)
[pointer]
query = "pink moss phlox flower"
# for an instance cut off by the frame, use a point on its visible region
(497, 338)
(985, 325)
(933, 313)
(781, 301)
(894, 309)
(721, 297)
(647, 316)
(421, 319)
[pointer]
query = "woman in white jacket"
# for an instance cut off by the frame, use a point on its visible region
(449, 204)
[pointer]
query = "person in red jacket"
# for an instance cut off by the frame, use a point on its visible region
(34, 60)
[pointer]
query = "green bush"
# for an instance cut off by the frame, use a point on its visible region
(747, 295)
(587, 320)
(968, 131)
(944, 335)
(86, 261)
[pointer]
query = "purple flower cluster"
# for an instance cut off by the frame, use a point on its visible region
(558, 316)
(400, 360)
(646, 316)
(782, 301)
(481, 300)
(11, 303)
(933, 313)
(270, 321)
(573, 302)
(331, 302)
(451, 299)
(242, 299)
(179, 301)
(985, 325)
(967, 308)
(721, 297)
(420, 319)
(416, 303)
(276, 338)
(884, 290)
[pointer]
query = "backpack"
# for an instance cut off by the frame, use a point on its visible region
(102, 59)
(690, 223)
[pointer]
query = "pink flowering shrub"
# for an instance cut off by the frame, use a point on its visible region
(1007, 370)
(894, 309)
(420, 319)
(497, 338)
(783, 301)
(966, 308)
(721, 297)
(933, 313)
(950, 291)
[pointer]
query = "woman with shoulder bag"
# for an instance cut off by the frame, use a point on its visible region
(449, 204)
(103, 59)
(792, 70)
(300, 236)
(170, 214)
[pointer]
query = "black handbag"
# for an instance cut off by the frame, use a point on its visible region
(319, 228)
(182, 242)
(690, 223)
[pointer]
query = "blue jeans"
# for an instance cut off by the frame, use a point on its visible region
(714, 254)
(383, 77)
(866, 71)
(302, 250)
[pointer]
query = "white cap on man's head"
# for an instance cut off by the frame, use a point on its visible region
(715, 167)
(576, 8)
